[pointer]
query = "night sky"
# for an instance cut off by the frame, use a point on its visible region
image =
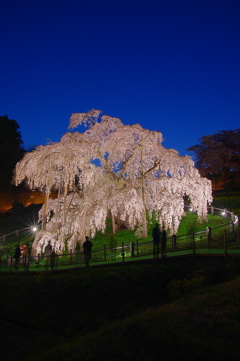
(169, 65)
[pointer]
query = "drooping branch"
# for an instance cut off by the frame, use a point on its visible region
(114, 169)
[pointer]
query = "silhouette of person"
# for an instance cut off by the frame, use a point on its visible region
(17, 255)
(48, 249)
(156, 234)
(48, 254)
(87, 250)
(24, 250)
(164, 241)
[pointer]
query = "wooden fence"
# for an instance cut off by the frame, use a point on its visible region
(195, 244)
(202, 242)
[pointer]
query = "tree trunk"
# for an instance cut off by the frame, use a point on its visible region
(113, 223)
(47, 198)
(45, 210)
(64, 204)
(59, 193)
(145, 233)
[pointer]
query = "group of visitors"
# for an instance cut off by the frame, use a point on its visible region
(87, 250)
(20, 251)
(159, 244)
(159, 240)
(17, 255)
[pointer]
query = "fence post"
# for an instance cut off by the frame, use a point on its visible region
(132, 249)
(52, 258)
(209, 236)
(123, 252)
(172, 245)
(161, 249)
(10, 263)
(232, 227)
(4, 238)
(174, 242)
(212, 210)
(104, 253)
(225, 243)
(193, 245)
(28, 263)
(16, 232)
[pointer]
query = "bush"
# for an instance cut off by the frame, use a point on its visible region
(177, 288)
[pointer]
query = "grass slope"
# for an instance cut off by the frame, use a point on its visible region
(124, 312)
(203, 326)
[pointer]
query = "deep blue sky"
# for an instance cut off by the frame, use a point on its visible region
(169, 65)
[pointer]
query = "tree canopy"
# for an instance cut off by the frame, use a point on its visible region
(111, 170)
(218, 156)
(11, 150)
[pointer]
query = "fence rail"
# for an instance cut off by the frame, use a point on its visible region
(27, 229)
(192, 243)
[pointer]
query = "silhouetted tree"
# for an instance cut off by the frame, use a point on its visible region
(218, 156)
(11, 150)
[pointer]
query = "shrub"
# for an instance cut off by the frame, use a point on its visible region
(177, 288)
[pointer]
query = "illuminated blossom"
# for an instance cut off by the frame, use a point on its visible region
(110, 170)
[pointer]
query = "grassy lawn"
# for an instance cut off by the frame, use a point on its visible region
(176, 310)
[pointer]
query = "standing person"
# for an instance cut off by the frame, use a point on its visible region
(87, 250)
(48, 249)
(17, 255)
(25, 255)
(164, 241)
(48, 254)
(156, 234)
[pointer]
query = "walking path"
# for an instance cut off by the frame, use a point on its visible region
(126, 260)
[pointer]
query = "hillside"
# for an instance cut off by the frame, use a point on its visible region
(124, 312)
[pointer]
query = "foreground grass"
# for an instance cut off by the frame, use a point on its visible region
(203, 326)
(124, 312)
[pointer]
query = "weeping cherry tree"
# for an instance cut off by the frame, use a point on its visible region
(110, 170)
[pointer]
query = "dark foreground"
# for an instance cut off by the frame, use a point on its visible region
(135, 312)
